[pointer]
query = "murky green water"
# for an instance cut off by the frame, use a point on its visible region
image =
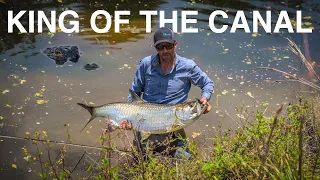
(40, 94)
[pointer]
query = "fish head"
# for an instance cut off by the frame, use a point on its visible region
(189, 111)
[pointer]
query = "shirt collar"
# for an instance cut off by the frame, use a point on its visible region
(155, 60)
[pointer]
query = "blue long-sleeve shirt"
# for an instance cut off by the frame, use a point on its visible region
(174, 86)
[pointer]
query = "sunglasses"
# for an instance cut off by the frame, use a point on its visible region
(168, 46)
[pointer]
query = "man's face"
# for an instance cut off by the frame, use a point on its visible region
(166, 51)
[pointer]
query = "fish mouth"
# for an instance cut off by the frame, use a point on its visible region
(189, 111)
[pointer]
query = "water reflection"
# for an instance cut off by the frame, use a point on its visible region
(84, 9)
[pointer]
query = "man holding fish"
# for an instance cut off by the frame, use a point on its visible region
(166, 78)
(164, 81)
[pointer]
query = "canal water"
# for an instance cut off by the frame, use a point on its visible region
(39, 93)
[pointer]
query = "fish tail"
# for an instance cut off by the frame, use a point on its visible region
(91, 111)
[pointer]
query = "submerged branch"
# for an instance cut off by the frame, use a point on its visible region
(294, 48)
(291, 78)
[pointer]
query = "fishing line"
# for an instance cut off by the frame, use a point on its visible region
(63, 143)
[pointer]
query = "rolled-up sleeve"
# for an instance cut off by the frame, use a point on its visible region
(138, 81)
(201, 79)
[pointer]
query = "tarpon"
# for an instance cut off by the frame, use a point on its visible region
(148, 118)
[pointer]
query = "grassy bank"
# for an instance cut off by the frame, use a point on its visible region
(284, 146)
(281, 147)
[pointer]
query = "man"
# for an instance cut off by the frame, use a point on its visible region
(166, 78)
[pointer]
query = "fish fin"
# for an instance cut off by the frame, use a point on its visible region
(135, 97)
(174, 127)
(144, 135)
(91, 111)
(89, 108)
(87, 123)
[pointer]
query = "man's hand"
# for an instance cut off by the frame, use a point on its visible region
(204, 101)
(125, 125)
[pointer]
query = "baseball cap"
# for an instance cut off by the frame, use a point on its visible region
(163, 34)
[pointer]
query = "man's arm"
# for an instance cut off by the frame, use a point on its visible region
(200, 79)
(138, 81)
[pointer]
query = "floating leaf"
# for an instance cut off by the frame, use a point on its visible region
(307, 23)
(249, 94)
(60, 1)
(224, 92)
(44, 132)
(1, 118)
(194, 134)
(14, 166)
(240, 116)
(107, 53)
(23, 81)
(41, 101)
(37, 95)
(5, 91)
(254, 35)
(51, 34)
(27, 158)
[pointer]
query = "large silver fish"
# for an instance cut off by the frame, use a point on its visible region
(148, 118)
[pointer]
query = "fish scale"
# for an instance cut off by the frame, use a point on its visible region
(155, 118)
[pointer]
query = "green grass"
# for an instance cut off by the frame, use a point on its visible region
(280, 147)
